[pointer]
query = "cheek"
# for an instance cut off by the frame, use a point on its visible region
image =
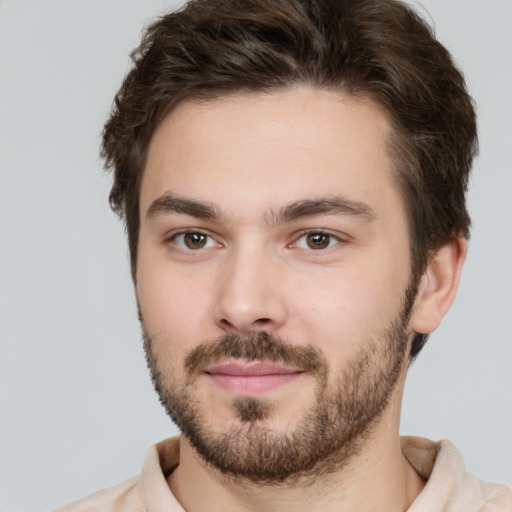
(173, 306)
(342, 312)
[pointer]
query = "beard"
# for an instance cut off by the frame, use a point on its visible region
(329, 433)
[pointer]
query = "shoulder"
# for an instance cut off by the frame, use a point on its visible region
(125, 496)
(148, 491)
(448, 485)
(496, 497)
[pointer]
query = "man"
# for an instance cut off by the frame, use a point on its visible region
(292, 175)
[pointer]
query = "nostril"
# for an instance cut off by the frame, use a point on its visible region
(262, 321)
(255, 325)
(227, 324)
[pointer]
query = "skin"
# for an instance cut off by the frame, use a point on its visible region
(250, 156)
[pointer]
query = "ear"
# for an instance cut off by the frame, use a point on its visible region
(438, 286)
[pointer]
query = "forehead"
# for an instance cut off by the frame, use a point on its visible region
(264, 150)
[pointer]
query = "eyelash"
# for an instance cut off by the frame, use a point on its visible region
(317, 232)
(172, 239)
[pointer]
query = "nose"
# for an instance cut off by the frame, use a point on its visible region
(250, 297)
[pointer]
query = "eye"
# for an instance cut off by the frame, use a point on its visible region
(316, 240)
(193, 241)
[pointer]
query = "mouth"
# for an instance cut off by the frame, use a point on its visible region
(251, 378)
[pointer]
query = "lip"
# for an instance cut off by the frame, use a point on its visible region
(254, 378)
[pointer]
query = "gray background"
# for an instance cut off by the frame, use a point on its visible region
(77, 409)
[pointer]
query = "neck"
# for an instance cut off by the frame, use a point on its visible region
(377, 478)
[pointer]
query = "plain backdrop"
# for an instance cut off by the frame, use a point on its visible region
(77, 408)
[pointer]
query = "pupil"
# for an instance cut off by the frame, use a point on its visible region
(195, 240)
(318, 241)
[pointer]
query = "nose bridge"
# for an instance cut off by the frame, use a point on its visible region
(249, 297)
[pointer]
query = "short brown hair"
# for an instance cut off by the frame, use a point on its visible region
(377, 49)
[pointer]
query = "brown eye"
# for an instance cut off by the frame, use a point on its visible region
(195, 240)
(318, 240)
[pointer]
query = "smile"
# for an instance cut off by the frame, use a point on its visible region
(247, 379)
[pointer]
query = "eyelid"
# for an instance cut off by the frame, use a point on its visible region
(172, 235)
(319, 231)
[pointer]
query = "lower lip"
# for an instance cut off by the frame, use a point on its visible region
(252, 384)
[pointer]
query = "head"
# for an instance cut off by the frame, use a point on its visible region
(383, 61)
(380, 50)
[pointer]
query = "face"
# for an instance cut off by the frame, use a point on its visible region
(273, 278)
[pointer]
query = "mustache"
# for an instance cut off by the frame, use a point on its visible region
(258, 346)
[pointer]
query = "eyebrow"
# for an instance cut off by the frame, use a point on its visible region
(324, 206)
(169, 204)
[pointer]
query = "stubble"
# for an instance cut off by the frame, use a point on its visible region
(329, 433)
